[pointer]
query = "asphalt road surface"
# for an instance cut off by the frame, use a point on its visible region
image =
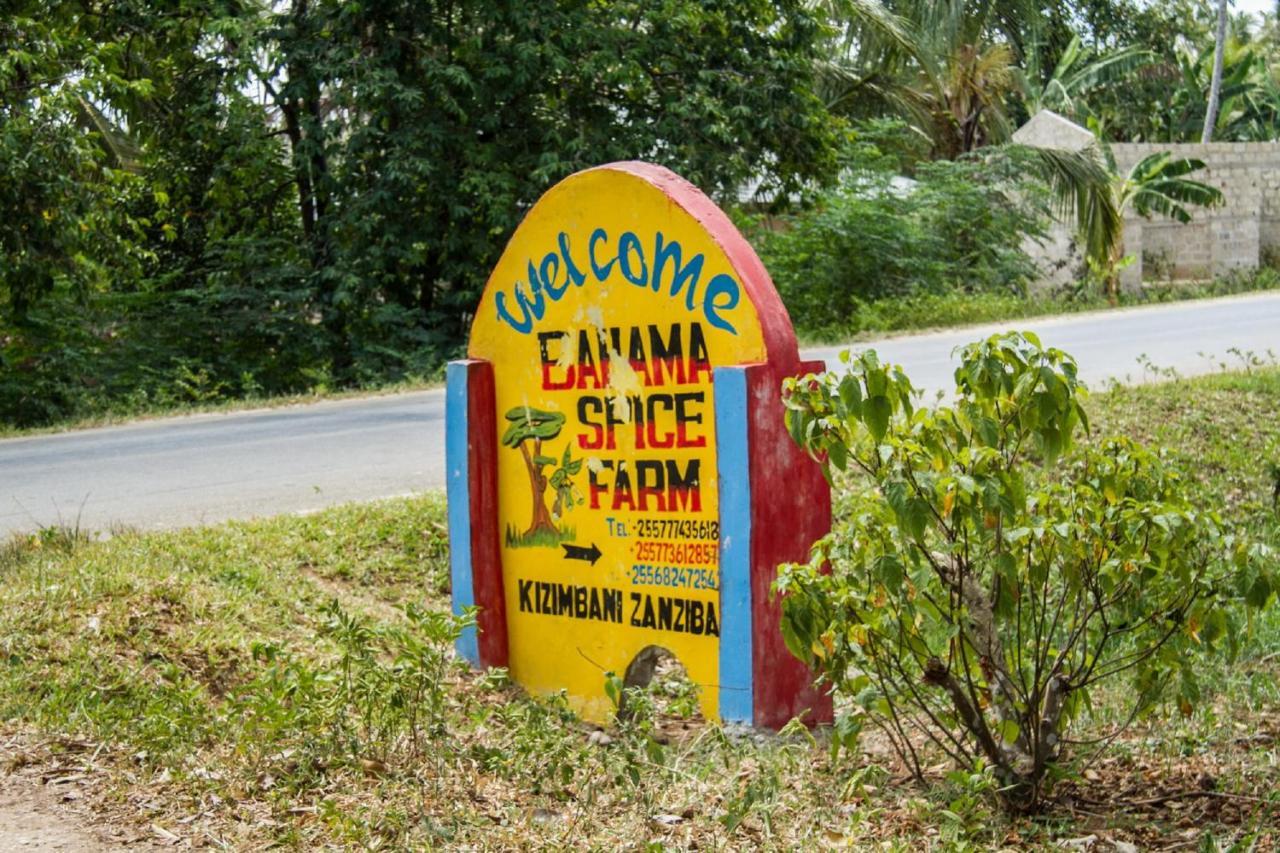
(207, 468)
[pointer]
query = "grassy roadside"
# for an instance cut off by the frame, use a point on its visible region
(929, 312)
(926, 312)
(289, 681)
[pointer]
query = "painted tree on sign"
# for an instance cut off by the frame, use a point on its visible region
(534, 426)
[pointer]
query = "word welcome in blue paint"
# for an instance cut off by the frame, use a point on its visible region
(558, 270)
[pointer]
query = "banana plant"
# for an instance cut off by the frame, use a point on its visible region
(1157, 183)
(1078, 72)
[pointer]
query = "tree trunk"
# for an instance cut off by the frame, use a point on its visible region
(538, 486)
(300, 104)
(1215, 84)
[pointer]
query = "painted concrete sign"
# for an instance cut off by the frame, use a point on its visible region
(620, 477)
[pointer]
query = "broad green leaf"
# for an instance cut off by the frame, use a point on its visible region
(1009, 731)
(876, 412)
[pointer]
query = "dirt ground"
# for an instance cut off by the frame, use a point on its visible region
(31, 818)
(44, 804)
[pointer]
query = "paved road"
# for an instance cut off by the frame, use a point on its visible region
(206, 468)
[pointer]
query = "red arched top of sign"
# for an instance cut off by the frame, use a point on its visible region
(775, 324)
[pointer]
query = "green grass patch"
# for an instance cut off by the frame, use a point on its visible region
(537, 538)
(925, 311)
(290, 682)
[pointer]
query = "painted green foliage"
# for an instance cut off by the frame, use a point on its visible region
(986, 574)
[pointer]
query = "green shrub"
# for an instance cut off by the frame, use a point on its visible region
(952, 227)
(976, 590)
(126, 354)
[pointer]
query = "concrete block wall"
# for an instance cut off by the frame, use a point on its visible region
(1236, 235)
(1242, 233)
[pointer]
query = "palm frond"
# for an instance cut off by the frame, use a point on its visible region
(1083, 191)
(120, 147)
(1107, 69)
(874, 16)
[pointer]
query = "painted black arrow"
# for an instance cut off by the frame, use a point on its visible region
(577, 552)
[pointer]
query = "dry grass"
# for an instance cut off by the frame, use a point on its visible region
(213, 686)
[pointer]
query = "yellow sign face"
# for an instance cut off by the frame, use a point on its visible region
(603, 321)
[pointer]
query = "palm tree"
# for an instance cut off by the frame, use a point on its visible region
(937, 64)
(1215, 85)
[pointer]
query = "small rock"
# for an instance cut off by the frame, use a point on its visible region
(599, 738)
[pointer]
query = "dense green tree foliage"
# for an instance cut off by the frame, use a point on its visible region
(206, 197)
(964, 72)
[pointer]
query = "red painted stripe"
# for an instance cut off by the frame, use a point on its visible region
(486, 554)
(791, 508)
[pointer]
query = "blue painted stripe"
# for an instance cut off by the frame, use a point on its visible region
(458, 492)
(737, 696)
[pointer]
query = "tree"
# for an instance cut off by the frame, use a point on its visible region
(1167, 99)
(1156, 184)
(986, 577)
(1248, 102)
(942, 66)
(463, 115)
(61, 184)
(1215, 85)
(534, 426)
(311, 193)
